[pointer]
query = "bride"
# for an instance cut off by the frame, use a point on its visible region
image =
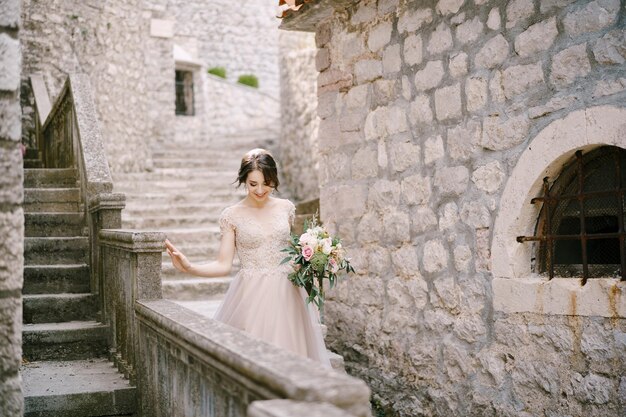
(260, 300)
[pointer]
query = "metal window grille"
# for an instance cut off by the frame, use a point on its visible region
(184, 93)
(580, 230)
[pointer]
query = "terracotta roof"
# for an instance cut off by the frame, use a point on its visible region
(287, 7)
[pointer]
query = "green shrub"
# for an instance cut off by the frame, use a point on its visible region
(218, 71)
(249, 80)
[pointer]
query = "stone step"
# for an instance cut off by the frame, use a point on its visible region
(196, 251)
(54, 224)
(138, 209)
(188, 236)
(213, 185)
(50, 178)
(76, 388)
(191, 289)
(32, 163)
(170, 220)
(180, 174)
(55, 250)
(51, 308)
(181, 197)
(168, 272)
(56, 279)
(64, 341)
(195, 162)
(51, 199)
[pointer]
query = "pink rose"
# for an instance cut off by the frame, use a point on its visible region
(307, 252)
(334, 267)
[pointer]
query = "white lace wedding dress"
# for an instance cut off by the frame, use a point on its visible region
(261, 300)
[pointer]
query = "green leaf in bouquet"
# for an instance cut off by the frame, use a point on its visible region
(285, 260)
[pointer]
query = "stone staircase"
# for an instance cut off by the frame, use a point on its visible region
(183, 197)
(65, 346)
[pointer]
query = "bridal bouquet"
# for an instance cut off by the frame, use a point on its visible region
(315, 256)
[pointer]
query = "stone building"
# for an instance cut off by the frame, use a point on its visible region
(11, 213)
(439, 122)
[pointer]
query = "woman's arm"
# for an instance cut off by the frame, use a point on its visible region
(217, 268)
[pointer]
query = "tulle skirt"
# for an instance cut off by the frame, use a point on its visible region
(266, 305)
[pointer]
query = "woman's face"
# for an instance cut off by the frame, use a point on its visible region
(257, 188)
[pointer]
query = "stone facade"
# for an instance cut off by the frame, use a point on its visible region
(11, 212)
(298, 113)
(426, 108)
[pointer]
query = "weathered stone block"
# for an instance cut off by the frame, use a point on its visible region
(475, 93)
(412, 20)
(364, 164)
(592, 388)
(608, 87)
(322, 34)
(430, 76)
(548, 5)
(413, 49)
(495, 87)
(494, 20)
(555, 104)
(539, 37)
(445, 7)
(333, 80)
(368, 70)
(611, 48)
(11, 175)
(351, 121)
(469, 328)
(500, 134)
(370, 228)
(458, 64)
(462, 140)
(570, 64)
(329, 133)
(340, 202)
(406, 88)
(379, 36)
(387, 6)
(11, 396)
(322, 59)
(520, 78)
(351, 46)
(494, 52)
(327, 104)
(396, 226)
(448, 216)
(10, 13)
(384, 194)
(489, 177)
(435, 256)
(392, 62)
(592, 17)
(419, 110)
(440, 40)
(423, 219)
(403, 154)
(10, 63)
(357, 97)
(11, 250)
(475, 215)
(469, 31)
(385, 91)
(405, 261)
(10, 120)
(452, 180)
(11, 329)
(518, 11)
(363, 14)
(448, 102)
(416, 189)
(433, 150)
(462, 258)
(483, 249)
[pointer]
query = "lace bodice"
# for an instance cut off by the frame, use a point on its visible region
(259, 241)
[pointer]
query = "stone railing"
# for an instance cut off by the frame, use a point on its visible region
(70, 137)
(186, 364)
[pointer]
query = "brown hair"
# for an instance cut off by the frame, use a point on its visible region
(261, 160)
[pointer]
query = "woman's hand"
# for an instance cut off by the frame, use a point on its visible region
(179, 260)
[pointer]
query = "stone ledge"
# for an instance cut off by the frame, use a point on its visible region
(288, 408)
(107, 201)
(259, 366)
(603, 297)
(133, 240)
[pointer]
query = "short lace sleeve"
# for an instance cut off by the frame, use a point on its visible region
(226, 221)
(292, 212)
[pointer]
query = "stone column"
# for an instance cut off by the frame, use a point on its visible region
(130, 262)
(11, 213)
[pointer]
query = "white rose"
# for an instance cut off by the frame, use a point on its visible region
(308, 240)
(327, 245)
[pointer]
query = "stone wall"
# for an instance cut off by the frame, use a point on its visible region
(106, 41)
(426, 107)
(298, 115)
(11, 213)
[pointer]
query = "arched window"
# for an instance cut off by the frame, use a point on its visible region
(580, 229)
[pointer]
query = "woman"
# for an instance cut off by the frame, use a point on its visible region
(260, 300)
